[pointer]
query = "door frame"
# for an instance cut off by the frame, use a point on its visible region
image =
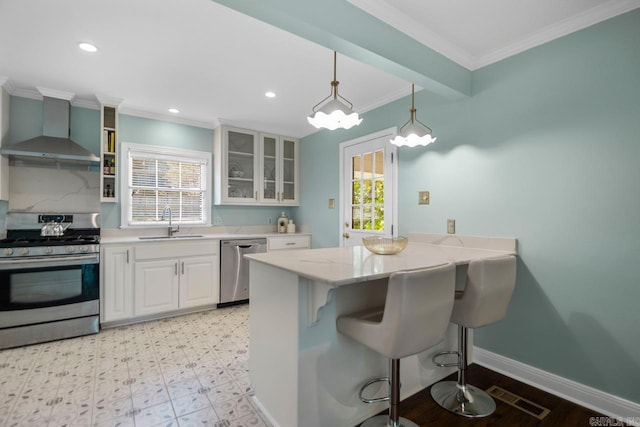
(390, 133)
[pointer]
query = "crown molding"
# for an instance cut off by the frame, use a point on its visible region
(54, 93)
(167, 118)
(384, 11)
(562, 28)
(84, 103)
(102, 100)
(108, 100)
(25, 93)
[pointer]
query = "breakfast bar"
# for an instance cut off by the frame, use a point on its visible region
(303, 372)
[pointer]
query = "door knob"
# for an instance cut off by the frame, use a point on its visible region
(345, 235)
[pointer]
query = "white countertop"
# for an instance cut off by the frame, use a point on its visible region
(344, 265)
(196, 236)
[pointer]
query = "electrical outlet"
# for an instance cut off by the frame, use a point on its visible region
(423, 197)
(217, 220)
(270, 221)
(451, 226)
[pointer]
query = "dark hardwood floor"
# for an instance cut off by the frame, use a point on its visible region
(421, 409)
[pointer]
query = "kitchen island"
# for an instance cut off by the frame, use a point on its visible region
(303, 372)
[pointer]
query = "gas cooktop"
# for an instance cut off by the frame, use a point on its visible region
(28, 241)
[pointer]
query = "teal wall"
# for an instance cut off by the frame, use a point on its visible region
(25, 122)
(545, 150)
(140, 130)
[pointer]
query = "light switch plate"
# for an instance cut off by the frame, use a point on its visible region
(423, 197)
(451, 226)
(332, 203)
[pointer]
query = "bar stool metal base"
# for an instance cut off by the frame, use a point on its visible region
(468, 401)
(383, 421)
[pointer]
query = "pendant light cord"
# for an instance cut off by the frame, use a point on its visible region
(335, 82)
(413, 108)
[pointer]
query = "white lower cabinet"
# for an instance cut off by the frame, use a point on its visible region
(117, 283)
(153, 278)
(199, 281)
(156, 289)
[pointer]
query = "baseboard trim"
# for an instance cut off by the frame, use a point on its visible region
(264, 411)
(604, 403)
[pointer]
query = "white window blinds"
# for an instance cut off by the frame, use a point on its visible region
(158, 179)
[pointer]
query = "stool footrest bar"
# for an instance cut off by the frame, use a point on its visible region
(446, 365)
(367, 384)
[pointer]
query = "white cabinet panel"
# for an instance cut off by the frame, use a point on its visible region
(198, 281)
(156, 286)
(117, 283)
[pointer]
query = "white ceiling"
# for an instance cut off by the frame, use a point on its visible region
(215, 64)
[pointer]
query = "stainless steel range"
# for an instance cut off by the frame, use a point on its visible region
(49, 277)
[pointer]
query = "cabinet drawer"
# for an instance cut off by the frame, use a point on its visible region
(289, 242)
(176, 249)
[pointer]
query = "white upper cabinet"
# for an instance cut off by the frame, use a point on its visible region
(279, 170)
(253, 168)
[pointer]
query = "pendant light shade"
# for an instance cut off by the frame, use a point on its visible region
(334, 113)
(413, 132)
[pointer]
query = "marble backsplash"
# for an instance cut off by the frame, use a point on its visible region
(53, 187)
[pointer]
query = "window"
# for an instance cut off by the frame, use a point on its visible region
(157, 177)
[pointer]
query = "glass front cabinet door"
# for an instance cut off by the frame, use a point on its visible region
(279, 164)
(236, 161)
(253, 168)
(289, 189)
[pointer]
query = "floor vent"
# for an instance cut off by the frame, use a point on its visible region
(518, 402)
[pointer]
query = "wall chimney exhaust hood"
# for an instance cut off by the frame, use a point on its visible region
(54, 143)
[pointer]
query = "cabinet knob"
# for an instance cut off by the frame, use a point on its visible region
(345, 235)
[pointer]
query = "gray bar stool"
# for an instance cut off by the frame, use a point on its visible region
(414, 318)
(484, 300)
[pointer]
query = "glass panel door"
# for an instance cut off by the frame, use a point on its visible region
(241, 156)
(270, 172)
(288, 170)
(367, 195)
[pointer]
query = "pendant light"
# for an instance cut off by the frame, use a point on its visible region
(335, 113)
(413, 132)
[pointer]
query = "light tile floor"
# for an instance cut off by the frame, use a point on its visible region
(190, 370)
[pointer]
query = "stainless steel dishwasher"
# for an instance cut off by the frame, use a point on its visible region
(234, 268)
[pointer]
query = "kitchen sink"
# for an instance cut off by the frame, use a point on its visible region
(184, 236)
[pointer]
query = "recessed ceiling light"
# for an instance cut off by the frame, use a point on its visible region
(270, 94)
(174, 110)
(87, 47)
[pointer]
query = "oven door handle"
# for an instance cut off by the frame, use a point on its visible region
(49, 261)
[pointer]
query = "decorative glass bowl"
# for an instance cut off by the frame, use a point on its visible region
(385, 245)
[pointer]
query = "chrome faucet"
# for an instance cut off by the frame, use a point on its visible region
(171, 230)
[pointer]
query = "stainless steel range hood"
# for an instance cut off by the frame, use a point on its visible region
(54, 144)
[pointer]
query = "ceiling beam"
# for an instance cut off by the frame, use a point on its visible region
(341, 26)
